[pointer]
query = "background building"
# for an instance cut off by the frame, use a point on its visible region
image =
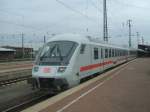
(19, 51)
(7, 54)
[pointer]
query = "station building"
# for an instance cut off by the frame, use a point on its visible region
(6, 54)
(19, 51)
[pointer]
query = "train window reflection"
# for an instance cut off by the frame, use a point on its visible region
(56, 53)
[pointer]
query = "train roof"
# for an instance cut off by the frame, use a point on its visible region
(83, 39)
(70, 37)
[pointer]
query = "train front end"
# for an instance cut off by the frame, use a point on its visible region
(52, 67)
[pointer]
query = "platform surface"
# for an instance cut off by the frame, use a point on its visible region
(124, 90)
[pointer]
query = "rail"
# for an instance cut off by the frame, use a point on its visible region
(27, 101)
(8, 81)
(16, 60)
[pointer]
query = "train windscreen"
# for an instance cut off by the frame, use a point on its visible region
(56, 53)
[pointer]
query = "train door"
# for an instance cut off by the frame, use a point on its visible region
(105, 58)
(84, 60)
(110, 61)
(102, 58)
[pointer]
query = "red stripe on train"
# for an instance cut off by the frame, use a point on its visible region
(93, 66)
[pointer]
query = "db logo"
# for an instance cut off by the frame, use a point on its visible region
(46, 70)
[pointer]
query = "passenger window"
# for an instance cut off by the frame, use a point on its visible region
(109, 52)
(115, 52)
(82, 49)
(106, 53)
(112, 52)
(118, 53)
(96, 53)
(101, 53)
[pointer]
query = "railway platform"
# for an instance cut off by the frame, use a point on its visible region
(122, 89)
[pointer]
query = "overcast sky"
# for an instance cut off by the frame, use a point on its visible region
(36, 18)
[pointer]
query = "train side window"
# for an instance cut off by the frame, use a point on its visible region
(106, 53)
(102, 53)
(110, 53)
(120, 52)
(82, 49)
(96, 56)
(115, 52)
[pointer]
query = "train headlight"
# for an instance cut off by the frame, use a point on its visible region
(35, 69)
(61, 69)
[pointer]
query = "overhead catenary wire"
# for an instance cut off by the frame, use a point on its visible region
(39, 29)
(74, 10)
(12, 13)
(32, 27)
(20, 25)
(130, 5)
(95, 6)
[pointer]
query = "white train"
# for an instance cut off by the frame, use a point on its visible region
(67, 59)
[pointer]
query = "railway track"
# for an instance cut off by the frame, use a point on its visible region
(16, 60)
(13, 80)
(16, 66)
(26, 101)
(14, 77)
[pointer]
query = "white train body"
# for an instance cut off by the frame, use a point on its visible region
(66, 59)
